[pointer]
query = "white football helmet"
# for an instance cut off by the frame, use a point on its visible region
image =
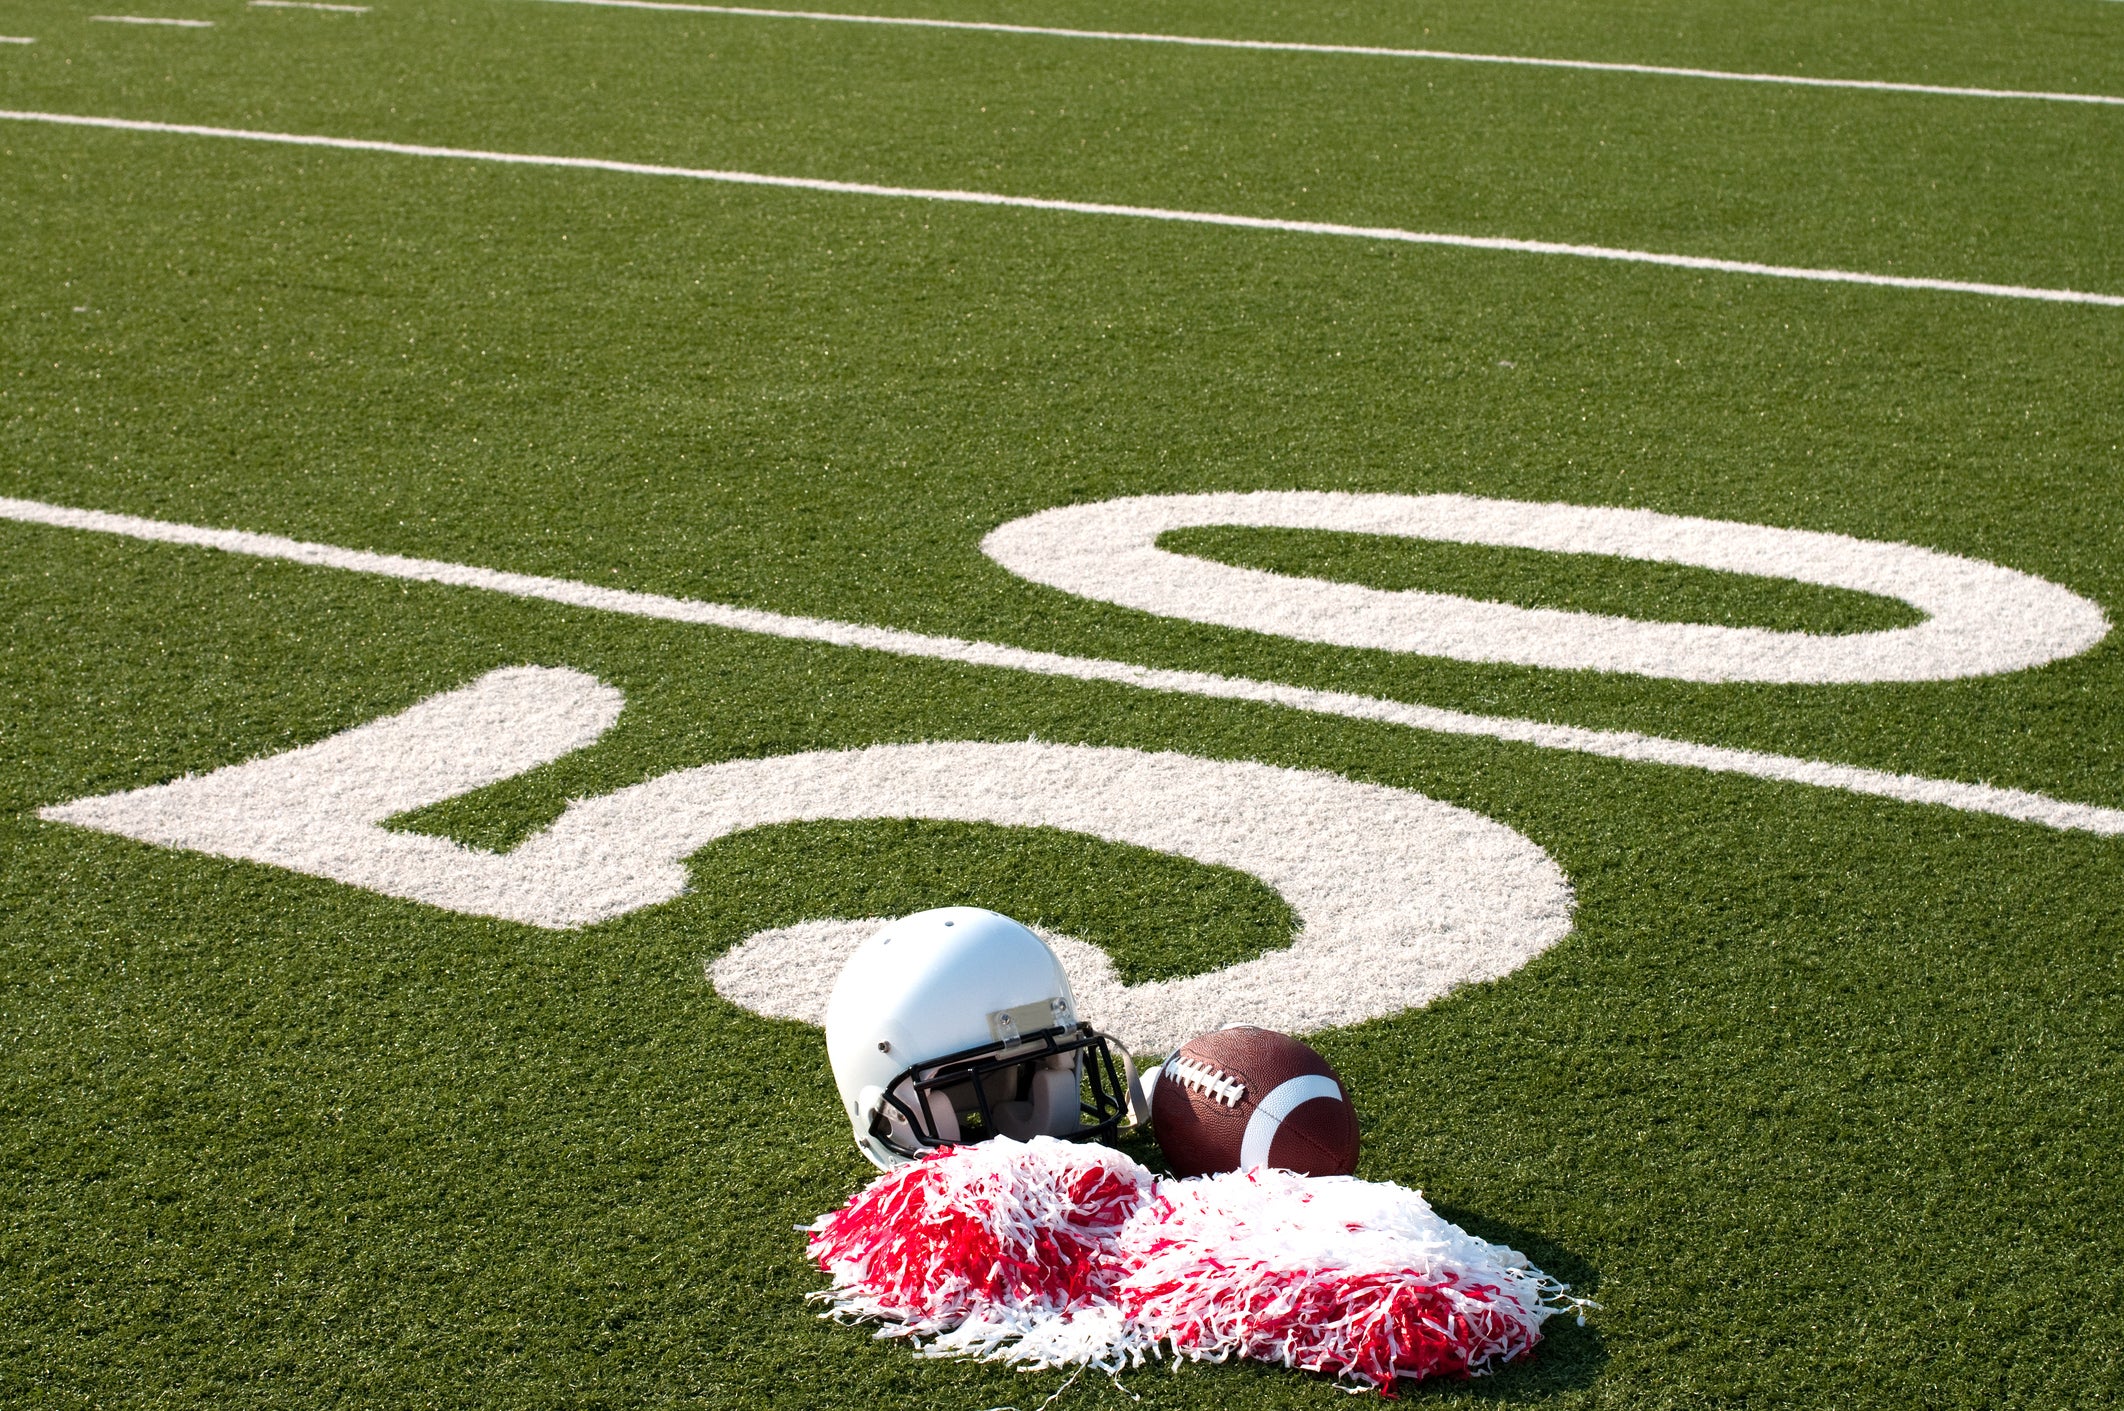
(957, 1024)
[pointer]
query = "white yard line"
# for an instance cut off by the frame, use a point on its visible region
(153, 19)
(308, 5)
(2017, 804)
(15, 39)
(1276, 46)
(1093, 208)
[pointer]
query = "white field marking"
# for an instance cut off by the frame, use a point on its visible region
(1090, 208)
(2020, 805)
(1278, 46)
(153, 19)
(788, 972)
(1399, 897)
(1981, 618)
(308, 5)
(1269, 1115)
(15, 39)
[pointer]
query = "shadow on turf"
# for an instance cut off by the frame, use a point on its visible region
(1570, 1356)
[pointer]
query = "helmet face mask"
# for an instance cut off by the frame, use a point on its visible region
(1060, 1082)
(955, 1025)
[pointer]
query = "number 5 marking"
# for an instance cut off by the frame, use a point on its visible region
(1399, 897)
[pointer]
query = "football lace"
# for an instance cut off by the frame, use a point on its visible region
(1194, 1073)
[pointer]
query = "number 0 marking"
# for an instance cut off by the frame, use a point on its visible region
(1981, 618)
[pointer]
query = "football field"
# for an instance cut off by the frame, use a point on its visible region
(1568, 553)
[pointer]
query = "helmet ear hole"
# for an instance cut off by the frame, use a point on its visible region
(882, 1133)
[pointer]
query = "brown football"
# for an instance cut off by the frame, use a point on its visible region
(1242, 1096)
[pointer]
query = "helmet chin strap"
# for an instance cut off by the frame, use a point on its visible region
(1139, 1090)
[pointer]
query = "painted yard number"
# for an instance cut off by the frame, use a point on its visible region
(1399, 897)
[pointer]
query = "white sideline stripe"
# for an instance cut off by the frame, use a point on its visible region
(2018, 804)
(1278, 46)
(153, 19)
(308, 5)
(1088, 208)
(15, 39)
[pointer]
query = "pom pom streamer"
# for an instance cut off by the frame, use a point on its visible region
(1359, 1279)
(1001, 1251)
(1048, 1254)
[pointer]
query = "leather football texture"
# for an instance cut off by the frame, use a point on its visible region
(1241, 1097)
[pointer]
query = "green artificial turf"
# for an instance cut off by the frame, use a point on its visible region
(1817, 1100)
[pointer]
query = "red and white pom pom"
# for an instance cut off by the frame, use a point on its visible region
(1048, 1254)
(1002, 1250)
(1358, 1279)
